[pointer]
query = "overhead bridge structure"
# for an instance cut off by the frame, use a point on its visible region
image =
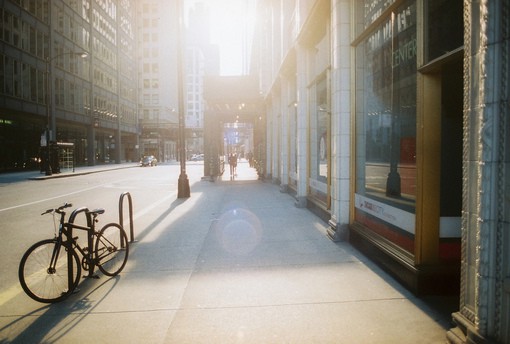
(234, 122)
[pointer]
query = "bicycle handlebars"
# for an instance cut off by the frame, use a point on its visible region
(59, 209)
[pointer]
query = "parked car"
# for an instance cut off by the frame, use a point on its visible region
(149, 161)
(197, 157)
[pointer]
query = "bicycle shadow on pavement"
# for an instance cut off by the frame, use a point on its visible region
(60, 318)
(51, 322)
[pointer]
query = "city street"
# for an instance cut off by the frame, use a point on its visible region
(23, 201)
(236, 262)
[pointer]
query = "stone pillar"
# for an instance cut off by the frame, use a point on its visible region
(484, 314)
(91, 141)
(340, 120)
(284, 136)
(302, 126)
(275, 156)
(269, 142)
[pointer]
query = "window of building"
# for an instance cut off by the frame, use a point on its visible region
(7, 25)
(59, 93)
(16, 78)
(319, 123)
(319, 131)
(2, 74)
(25, 81)
(16, 37)
(41, 51)
(41, 87)
(146, 99)
(33, 84)
(386, 120)
(25, 36)
(445, 27)
(33, 41)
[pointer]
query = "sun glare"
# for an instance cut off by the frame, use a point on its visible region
(231, 29)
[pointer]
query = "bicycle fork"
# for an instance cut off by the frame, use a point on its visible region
(52, 269)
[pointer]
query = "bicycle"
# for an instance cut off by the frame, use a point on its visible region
(47, 275)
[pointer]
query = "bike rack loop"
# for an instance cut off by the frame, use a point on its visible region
(90, 237)
(121, 214)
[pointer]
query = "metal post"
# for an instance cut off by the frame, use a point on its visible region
(49, 172)
(183, 190)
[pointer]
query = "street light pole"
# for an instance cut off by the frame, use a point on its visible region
(49, 171)
(51, 121)
(183, 190)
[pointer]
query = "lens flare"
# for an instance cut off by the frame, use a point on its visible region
(238, 231)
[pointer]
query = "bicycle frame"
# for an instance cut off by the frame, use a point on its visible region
(56, 251)
(90, 229)
(54, 280)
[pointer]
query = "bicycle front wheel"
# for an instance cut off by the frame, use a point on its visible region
(111, 249)
(49, 272)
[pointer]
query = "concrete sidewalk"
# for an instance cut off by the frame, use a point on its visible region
(236, 262)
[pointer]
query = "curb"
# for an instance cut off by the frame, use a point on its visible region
(80, 173)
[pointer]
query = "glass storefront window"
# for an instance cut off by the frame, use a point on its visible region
(386, 123)
(319, 150)
(373, 9)
(322, 131)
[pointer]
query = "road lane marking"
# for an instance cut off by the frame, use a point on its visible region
(9, 294)
(50, 198)
(152, 206)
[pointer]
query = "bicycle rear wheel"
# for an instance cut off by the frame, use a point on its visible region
(43, 281)
(111, 249)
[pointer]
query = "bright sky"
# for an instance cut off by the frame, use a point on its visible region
(231, 27)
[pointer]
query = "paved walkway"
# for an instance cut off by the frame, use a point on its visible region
(235, 263)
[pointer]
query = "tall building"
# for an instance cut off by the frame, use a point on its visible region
(389, 119)
(157, 81)
(202, 58)
(68, 76)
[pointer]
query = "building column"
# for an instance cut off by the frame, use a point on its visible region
(276, 134)
(302, 126)
(91, 142)
(118, 144)
(484, 314)
(340, 120)
(269, 142)
(284, 136)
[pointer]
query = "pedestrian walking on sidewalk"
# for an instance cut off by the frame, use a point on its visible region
(232, 161)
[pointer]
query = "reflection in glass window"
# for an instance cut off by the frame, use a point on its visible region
(386, 110)
(319, 123)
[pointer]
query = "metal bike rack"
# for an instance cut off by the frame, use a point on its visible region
(90, 236)
(121, 214)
